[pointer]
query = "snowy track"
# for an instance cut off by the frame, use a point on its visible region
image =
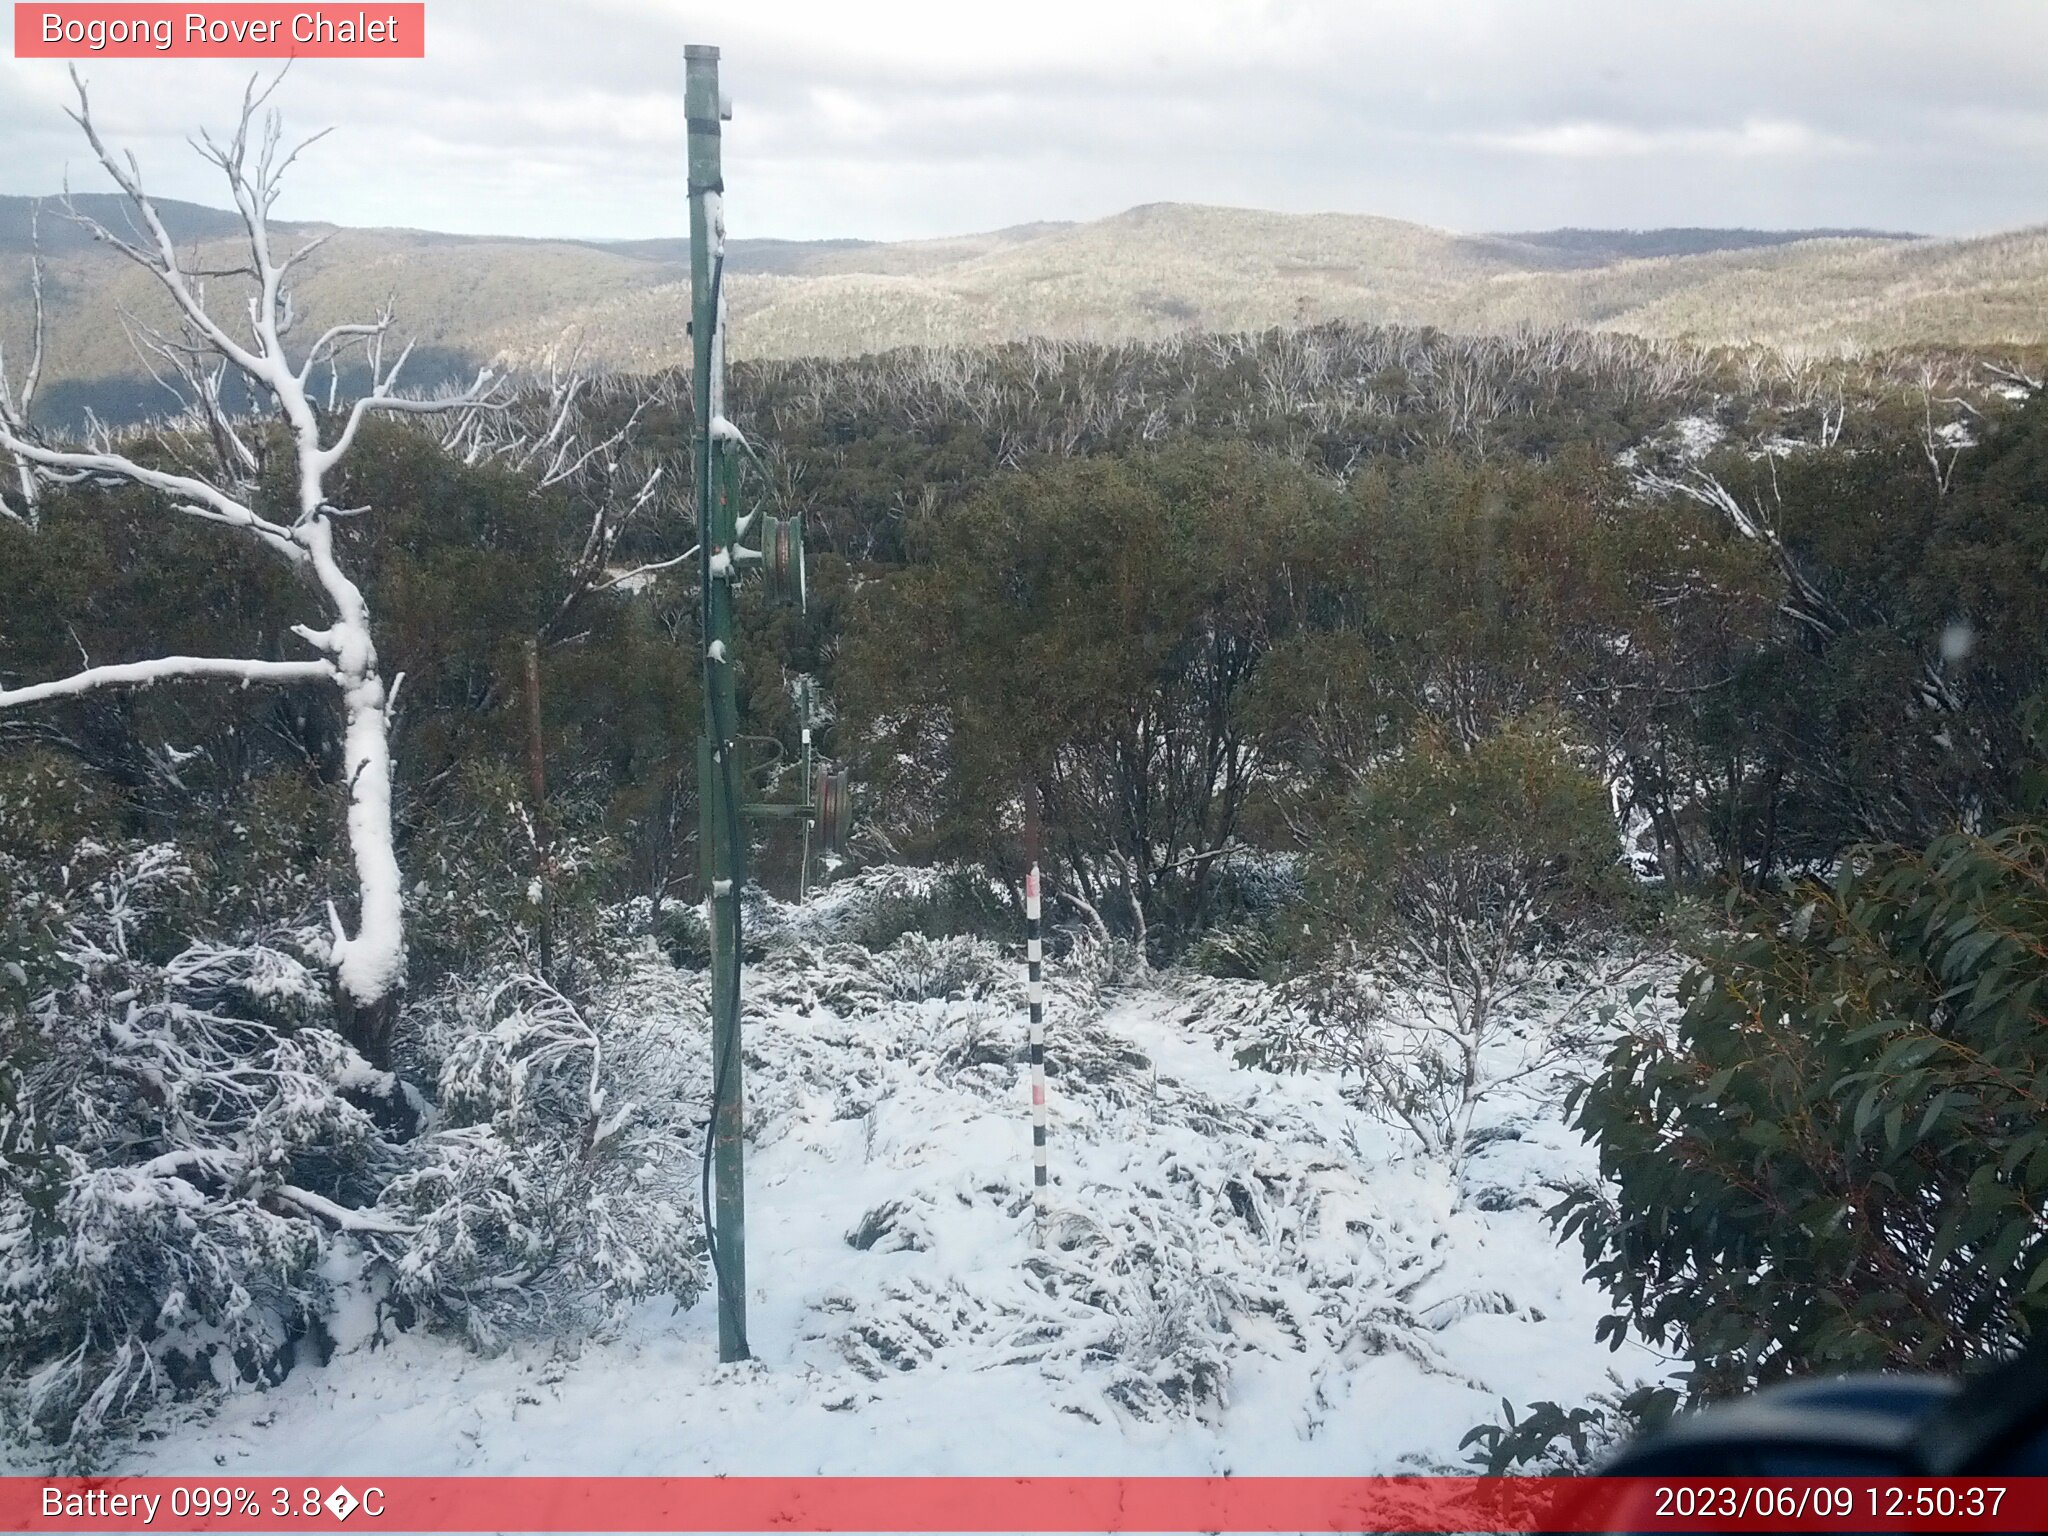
(1246, 1275)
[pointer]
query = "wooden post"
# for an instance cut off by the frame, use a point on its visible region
(537, 800)
(803, 876)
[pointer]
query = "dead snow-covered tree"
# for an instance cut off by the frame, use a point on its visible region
(368, 964)
(1942, 445)
(578, 435)
(1804, 601)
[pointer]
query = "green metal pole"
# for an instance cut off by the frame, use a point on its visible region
(721, 847)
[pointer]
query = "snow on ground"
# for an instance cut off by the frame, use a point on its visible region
(1678, 445)
(1244, 1272)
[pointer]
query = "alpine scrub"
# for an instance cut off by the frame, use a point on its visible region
(1839, 1159)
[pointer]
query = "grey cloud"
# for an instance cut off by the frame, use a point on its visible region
(898, 117)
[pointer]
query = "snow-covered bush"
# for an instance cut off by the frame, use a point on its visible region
(487, 882)
(190, 1152)
(547, 1190)
(275, 853)
(1131, 1304)
(1455, 872)
(1254, 891)
(47, 803)
(1421, 1071)
(877, 906)
(916, 968)
(1238, 952)
(139, 1285)
(1164, 1316)
(1421, 1062)
(184, 1127)
(1096, 966)
(1260, 1025)
(1258, 882)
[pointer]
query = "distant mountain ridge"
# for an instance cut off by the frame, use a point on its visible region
(1597, 247)
(1149, 272)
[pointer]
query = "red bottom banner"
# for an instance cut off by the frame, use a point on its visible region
(986, 1504)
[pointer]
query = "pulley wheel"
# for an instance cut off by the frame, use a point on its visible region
(834, 804)
(782, 558)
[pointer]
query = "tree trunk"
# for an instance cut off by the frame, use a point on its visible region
(369, 966)
(369, 1027)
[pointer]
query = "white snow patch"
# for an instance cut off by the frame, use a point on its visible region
(1246, 1273)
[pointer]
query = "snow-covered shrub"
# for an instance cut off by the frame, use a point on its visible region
(1254, 891)
(1257, 882)
(894, 1226)
(915, 968)
(138, 1286)
(1420, 1071)
(1093, 967)
(1258, 1024)
(1238, 952)
(851, 979)
(486, 882)
(683, 934)
(1456, 870)
(1166, 1316)
(877, 906)
(1429, 1066)
(189, 1151)
(1133, 1307)
(548, 1190)
(184, 1127)
(47, 804)
(276, 852)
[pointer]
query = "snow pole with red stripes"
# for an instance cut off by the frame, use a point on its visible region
(1034, 962)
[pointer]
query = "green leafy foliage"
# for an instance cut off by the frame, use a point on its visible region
(1091, 629)
(1897, 707)
(1842, 1158)
(1509, 837)
(1550, 1439)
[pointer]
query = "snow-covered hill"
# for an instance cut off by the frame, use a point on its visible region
(1244, 1271)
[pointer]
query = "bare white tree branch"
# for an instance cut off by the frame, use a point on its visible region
(164, 669)
(369, 963)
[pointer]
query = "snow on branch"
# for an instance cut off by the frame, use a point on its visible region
(261, 357)
(142, 674)
(370, 964)
(341, 1217)
(1804, 602)
(548, 435)
(189, 495)
(14, 408)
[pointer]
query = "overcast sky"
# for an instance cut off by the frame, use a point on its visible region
(897, 118)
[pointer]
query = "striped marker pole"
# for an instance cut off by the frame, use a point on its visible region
(803, 868)
(1034, 959)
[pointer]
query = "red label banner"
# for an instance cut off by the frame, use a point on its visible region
(978, 1504)
(374, 30)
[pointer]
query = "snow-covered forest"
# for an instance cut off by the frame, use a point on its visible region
(1547, 904)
